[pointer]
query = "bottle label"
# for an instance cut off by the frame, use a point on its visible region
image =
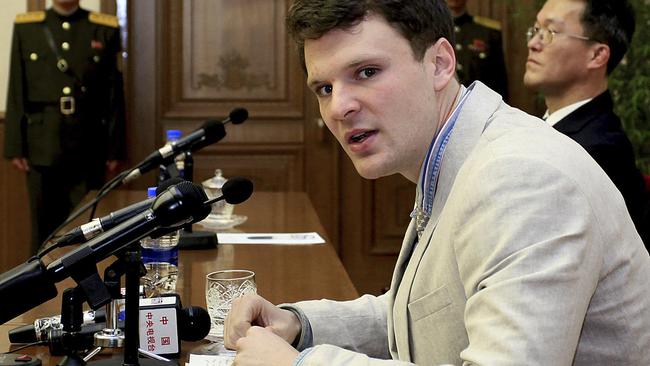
(160, 255)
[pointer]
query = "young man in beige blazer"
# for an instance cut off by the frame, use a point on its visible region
(508, 258)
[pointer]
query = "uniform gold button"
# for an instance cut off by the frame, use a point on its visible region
(65, 46)
(482, 55)
(96, 58)
(65, 25)
(33, 56)
(459, 67)
(456, 29)
(67, 90)
(83, 89)
(459, 46)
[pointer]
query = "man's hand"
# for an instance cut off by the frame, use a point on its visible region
(252, 309)
(261, 346)
(20, 164)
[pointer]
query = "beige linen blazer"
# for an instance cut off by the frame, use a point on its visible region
(530, 258)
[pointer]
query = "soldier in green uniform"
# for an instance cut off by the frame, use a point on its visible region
(65, 108)
(479, 50)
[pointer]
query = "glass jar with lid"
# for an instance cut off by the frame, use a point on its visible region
(221, 210)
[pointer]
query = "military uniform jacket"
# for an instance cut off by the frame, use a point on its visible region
(479, 53)
(36, 127)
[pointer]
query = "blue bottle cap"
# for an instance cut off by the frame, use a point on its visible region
(174, 135)
(151, 192)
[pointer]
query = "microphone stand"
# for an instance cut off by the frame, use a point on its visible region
(111, 336)
(71, 320)
(133, 271)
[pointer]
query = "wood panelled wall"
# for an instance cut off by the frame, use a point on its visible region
(14, 213)
(194, 60)
(191, 60)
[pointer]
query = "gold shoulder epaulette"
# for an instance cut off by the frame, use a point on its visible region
(30, 17)
(487, 22)
(103, 19)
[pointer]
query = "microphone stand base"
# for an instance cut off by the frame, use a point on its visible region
(109, 338)
(197, 240)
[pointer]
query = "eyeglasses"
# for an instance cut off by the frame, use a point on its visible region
(547, 35)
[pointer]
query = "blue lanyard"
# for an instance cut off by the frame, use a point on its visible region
(430, 171)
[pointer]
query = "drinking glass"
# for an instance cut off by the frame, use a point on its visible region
(221, 288)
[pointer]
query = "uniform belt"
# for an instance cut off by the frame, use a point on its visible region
(66, 105)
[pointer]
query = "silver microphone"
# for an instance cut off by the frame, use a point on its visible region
(40, 330)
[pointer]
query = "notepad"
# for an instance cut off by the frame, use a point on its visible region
(270, 238)
(222, 359)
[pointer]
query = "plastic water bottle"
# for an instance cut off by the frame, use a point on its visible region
(160, 258)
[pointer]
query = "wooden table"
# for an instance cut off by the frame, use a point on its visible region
(282, 273)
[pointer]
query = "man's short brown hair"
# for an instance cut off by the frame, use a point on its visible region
(421, 22)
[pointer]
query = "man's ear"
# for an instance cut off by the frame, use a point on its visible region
(598, 56)
(442, 57)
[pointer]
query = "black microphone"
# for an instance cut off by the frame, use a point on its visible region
(89, 230)
(83, 340)
(176, 206)
(193, 324)
(210, 132)
(235, 191)
(28, 282)
(236, 116)
(179, 204)
(164, 318)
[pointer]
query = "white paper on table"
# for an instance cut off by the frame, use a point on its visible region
(225, 359)
(270, 238)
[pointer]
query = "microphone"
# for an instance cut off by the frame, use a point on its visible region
(14, 283)
(40, 329)
(236, 116)
(87, 231)
(84, 339)
(235, 191)
(192, 324)
(210, 132)
(176, 206)
(164, 323)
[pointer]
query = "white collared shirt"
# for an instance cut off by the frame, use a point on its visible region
(558, 115)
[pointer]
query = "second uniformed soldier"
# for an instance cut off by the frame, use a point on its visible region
(65, 108)
(479, 49)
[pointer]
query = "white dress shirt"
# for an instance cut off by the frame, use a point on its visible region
(557, 116)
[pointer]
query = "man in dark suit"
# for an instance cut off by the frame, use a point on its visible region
(573, 47)
(479, 49)
(65, 108)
